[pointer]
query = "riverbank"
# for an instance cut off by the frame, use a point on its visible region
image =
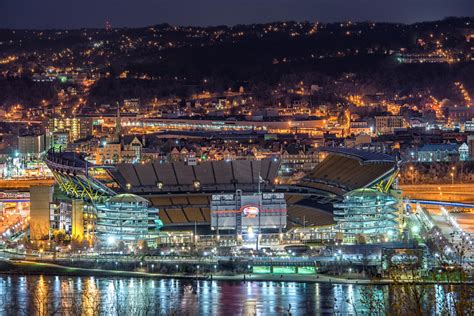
(23, 267)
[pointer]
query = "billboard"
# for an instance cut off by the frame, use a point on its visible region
(249, 211)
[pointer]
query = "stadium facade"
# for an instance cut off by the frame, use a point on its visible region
(127, 218)
(367, 215)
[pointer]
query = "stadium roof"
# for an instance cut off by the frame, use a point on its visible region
(67, 159)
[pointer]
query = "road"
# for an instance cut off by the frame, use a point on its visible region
(440, 192)
(24, 183)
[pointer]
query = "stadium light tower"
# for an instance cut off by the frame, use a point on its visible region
(260, 181)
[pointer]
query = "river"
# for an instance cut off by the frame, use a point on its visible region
(63, 295)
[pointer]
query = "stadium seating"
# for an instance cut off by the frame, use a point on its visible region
(207, 176)
(312, 216)
(346, 170)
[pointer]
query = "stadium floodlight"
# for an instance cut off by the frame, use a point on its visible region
(250, 232)
(111, 240)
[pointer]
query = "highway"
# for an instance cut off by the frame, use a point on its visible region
(461, 193)
(17, 184)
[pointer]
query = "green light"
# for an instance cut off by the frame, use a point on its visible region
(284, 270)
(306, 270)
(261, 270)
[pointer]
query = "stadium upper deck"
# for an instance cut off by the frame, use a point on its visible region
(347, 169)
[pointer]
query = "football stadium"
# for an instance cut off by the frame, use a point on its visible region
(184, 193)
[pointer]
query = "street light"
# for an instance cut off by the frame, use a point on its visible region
(412, 169)
(452, 178)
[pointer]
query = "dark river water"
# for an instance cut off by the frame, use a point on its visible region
(60, 295)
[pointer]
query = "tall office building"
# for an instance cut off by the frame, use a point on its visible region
(76, 127)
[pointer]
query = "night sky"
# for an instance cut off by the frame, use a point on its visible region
(93, 13)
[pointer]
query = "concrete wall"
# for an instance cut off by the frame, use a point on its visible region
(40, 197)
(77, 219)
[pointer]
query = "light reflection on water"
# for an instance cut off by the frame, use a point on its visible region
(45, 295)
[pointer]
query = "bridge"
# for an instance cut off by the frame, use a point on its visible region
(441, 203)
(25, 184)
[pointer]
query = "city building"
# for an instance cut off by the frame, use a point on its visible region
(292, 162)
(108, 153)
(469, 126)
(461, 114)
(388, 123)
(132, 149)
(360, 127)
(470, 145)
(442, 152)
(131, 105)
(433, 57)
(60, 216)
(76, 127)
(463, 152)
(60, 140)
(69, 217)
(127, 218)
(32, 144)
(367, 215)
(358, 140)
